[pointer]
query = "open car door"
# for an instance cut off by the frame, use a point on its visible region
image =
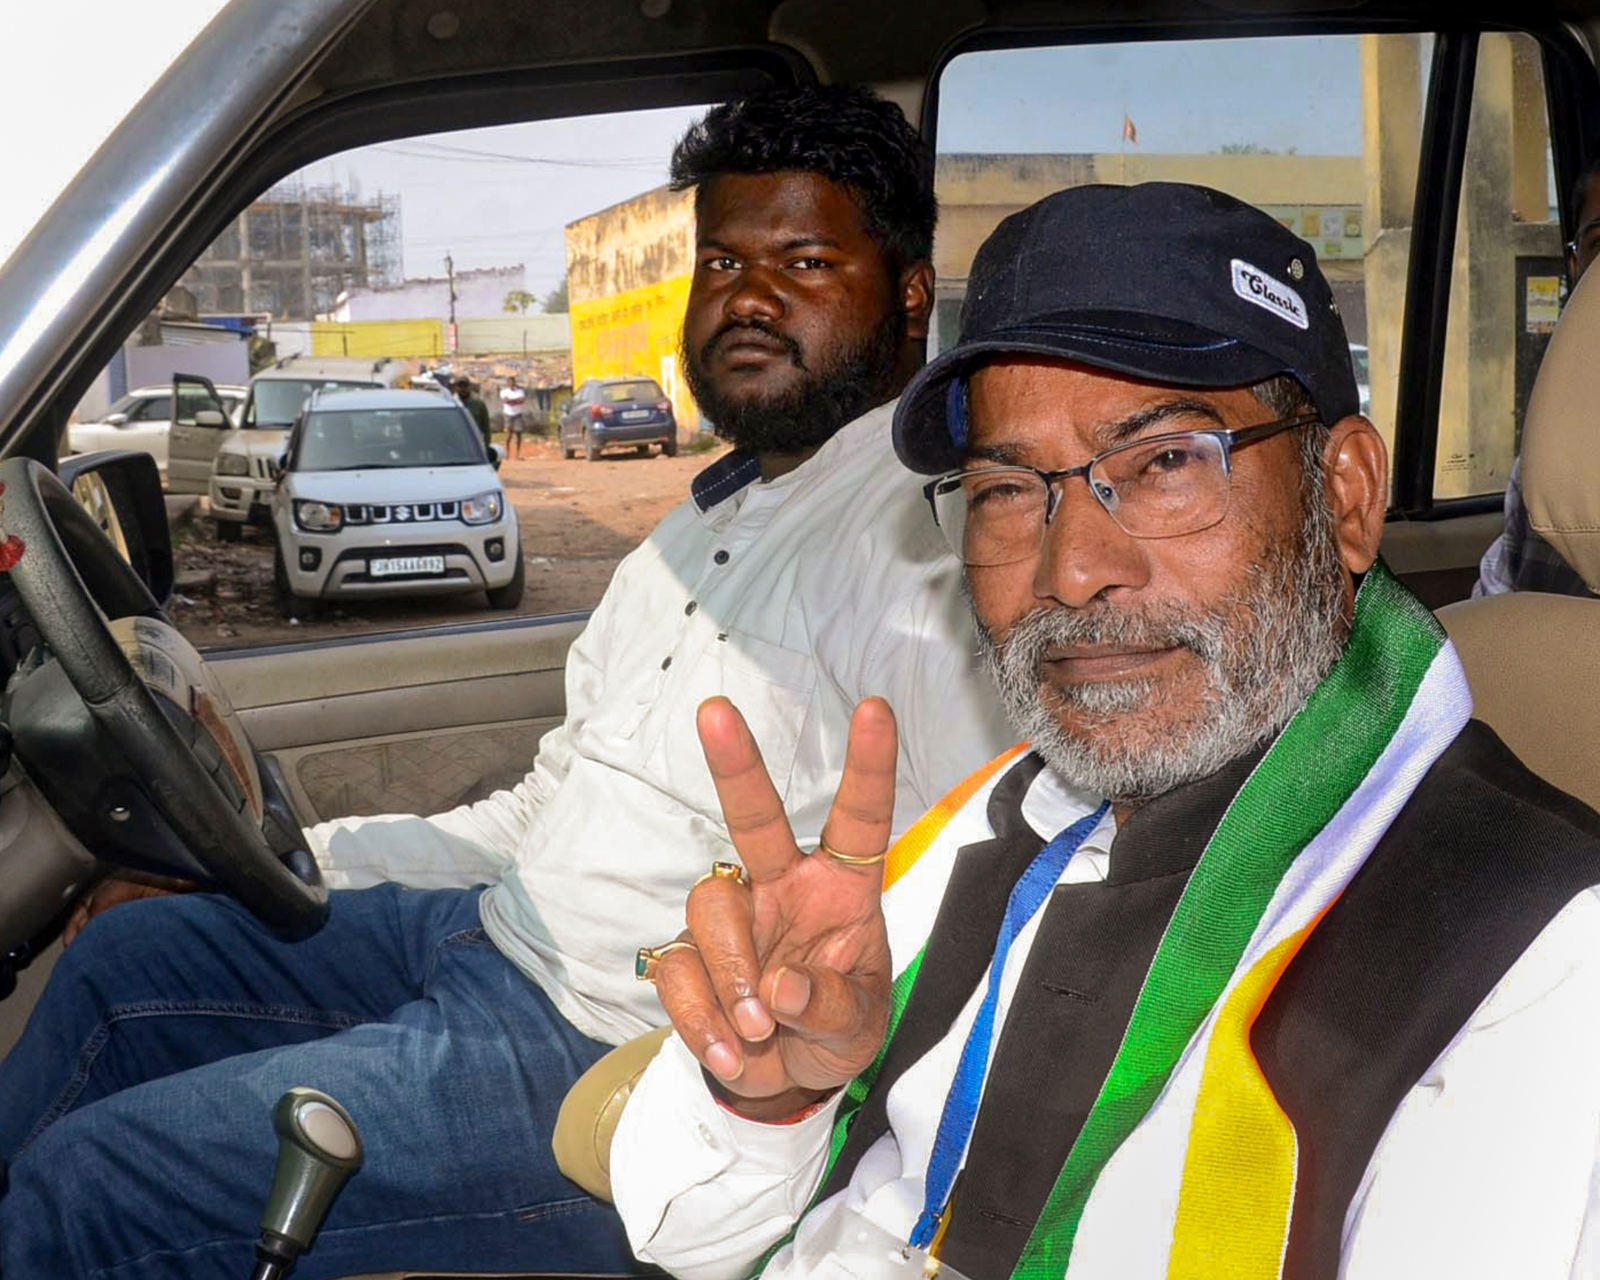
(198, 423)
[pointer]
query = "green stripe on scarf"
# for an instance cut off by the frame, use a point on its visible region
(1307, 775)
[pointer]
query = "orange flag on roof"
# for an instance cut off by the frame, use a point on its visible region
(1130, 131)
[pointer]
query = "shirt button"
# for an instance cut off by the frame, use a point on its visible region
(666, 662)
(690, 607)
(721, 557)
(705, 1133)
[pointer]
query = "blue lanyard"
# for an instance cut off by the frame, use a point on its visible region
(966, 1090)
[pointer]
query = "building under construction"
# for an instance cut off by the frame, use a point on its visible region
(294, 251)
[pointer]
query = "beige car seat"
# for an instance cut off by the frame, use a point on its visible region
(1532, 659)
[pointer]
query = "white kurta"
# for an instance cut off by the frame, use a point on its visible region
(795, 598)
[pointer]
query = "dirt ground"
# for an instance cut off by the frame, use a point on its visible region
(577, 520)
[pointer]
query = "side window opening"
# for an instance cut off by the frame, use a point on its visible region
(1323, 132)
(1285, 123)
(550, 252)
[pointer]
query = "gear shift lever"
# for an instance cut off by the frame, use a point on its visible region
(318, 1148)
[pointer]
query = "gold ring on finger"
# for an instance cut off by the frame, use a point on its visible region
(850, 859)
(649, 959)
(724, 871)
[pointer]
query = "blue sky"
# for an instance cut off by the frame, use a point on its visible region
(1303, 93)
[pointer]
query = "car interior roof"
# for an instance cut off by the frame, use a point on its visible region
(841, 40)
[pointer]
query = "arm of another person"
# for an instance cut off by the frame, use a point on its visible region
(782, 998)
(1497, 571)
(474, 843)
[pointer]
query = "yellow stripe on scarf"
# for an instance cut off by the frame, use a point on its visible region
(1239, 1172)
(922, 833)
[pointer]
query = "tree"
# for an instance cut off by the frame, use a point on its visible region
(1252, 149)
(518, 301)
(556, 299)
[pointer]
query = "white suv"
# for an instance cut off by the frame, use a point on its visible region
(391, 493)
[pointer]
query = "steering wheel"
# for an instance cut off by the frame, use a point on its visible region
(107, 633)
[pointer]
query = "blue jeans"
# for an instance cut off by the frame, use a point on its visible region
(136, 1111)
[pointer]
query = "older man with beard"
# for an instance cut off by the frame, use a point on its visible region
(1265, 959)
(800, 578)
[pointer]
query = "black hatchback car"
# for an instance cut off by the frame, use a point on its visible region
(618, 412)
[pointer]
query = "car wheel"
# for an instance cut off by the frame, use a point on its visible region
(229, 530)
(510, 595)
(591, 451)
(289, 604)
(669, 446)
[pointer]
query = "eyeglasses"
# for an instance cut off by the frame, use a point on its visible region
(1159, 487)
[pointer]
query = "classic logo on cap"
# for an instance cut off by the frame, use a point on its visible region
(1255, 285)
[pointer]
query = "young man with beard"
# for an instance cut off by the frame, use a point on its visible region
(800, 578)
(1266, 960)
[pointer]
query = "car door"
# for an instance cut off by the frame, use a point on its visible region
(147, 428)
(199, 421)
(86, 437)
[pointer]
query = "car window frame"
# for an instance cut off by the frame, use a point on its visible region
(1572, 102)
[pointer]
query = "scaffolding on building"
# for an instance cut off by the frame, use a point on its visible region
(295, 250)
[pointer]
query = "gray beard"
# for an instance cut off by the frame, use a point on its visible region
(1263, 650)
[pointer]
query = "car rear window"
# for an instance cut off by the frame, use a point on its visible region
(618, 391)
(354, 439)
(277, 401)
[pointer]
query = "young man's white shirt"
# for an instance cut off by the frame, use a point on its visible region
(796, 598)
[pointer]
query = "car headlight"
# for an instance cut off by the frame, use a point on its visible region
(318, 517)
(484, 509)
(233, 464)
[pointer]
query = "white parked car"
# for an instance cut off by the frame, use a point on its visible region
(141, 420)
(237, 465)
(391, 493)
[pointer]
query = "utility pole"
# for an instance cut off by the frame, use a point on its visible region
(450, 276)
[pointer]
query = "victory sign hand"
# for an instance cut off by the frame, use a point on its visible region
(784, 995)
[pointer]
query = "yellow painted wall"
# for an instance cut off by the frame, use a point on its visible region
(636, 333)
(378, 338)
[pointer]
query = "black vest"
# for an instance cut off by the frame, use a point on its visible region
(1479, 860)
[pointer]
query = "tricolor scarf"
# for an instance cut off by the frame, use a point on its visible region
(1185, 1127)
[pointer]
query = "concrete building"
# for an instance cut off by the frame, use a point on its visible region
(292, 253)
(628, 270)
(480, 292)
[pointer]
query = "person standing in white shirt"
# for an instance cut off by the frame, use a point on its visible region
(513, 403)
(801, 576)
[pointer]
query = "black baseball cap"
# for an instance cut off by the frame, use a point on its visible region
(1176, 283)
